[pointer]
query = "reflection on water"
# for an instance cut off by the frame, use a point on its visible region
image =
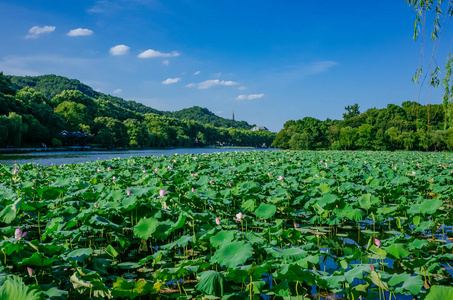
(65, 157)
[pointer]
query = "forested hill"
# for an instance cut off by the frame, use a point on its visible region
(205, 116)
(52, 85)
(37, 110)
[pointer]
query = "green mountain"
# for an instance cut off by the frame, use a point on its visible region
(36, 110)
(52, 85)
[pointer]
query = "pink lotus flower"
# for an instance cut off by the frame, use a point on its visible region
(162, 193)
(96, 205)
(372, 268)
(156, 169)
(229, 184)
(193, 190)
(18, 234)
(144, 171)
(217, 221)
(30, 271)
(114, 178)
(295, 225)
(15, 171)
(193, 175)
(210, 182)
(109, 169)
(239, 217)
(128, 192)
(280, 177)
(377, 242)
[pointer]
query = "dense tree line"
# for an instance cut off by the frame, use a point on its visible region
(52, 85)
(410, 126)
(29, 118)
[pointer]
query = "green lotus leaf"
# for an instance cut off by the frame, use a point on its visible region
(326, 199)
(130, 289)
(15, 288)
(293, 273)
(80, 254)
(213, 283)
(397, 251)
(438, 292)
(8, 214)
(406, 282)
(180, 243)
(222, 238)
(376, 278)
(248, 205)
(111, 251)
(232, 254)
(291, 253)
(425, 225)
(265, 211)
(38, 259)
(356, 215)
(145, 228)
(128, 265)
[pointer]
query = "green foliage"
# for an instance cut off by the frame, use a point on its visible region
(113, 121)
(14, 288)
(408, 127)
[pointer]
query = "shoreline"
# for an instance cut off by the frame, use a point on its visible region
(87, 148)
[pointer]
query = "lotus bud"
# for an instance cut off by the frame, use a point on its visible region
(156, 169)
(16, 170)
(193, 190)
(162, 193)
(30, 271)
(217, 221)
(18, 234)
(128, 192)
(377, 242)
(372, 268)
(96, 205)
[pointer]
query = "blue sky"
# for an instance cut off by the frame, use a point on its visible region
(268, 61)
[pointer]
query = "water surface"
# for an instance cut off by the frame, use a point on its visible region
(69, 157)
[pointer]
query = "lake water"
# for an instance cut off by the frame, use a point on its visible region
(69, 157)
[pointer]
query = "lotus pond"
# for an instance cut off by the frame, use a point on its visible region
(244, 225)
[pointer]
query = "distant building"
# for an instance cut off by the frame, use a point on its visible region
(75, 138)
(258, 128)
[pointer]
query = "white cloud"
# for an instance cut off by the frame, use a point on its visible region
(171, 80)
(197, 72)
(117, 91)
(321, 66)
(150, 53)
(242, 88)
(210, 83)
(119, 50)
(166, 62)
(250, 97)
(36, 31)
(80, 32)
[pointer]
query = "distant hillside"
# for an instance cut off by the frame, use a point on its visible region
(54, 110)
(52, 85)
(205, 116)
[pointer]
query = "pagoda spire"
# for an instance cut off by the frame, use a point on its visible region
(233, 115)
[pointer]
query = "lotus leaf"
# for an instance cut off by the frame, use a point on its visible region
(213, 283)
(232, 254)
